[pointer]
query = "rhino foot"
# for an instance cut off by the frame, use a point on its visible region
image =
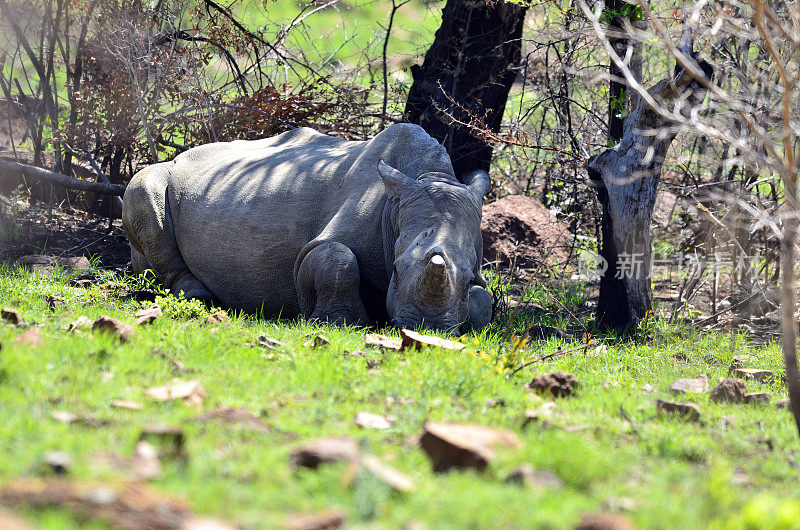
(328, 281)
(190, 288)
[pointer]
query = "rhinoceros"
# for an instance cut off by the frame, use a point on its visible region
(305, 224)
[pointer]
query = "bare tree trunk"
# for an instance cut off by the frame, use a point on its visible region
(627, 177)
(9, 169)
(465, 78)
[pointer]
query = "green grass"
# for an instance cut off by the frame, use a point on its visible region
(664, 472)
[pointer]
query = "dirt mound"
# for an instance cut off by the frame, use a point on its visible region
(519, 230)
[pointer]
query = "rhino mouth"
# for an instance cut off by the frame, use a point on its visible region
(448, 326)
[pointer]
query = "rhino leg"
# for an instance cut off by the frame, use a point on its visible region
(479, 303)
(148, 225)
(328, 285)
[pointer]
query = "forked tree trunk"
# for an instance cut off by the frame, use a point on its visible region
(465, 78)
(627, 177)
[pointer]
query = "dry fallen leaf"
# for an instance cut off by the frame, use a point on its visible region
(463, 446)
(147, 316)
(758, 398)
(383, 341)
(372, 421)
(69, 417)
(220, 317)
(269, 343)
(191, 392)
(234, 416)
(132, 506)
(145, 462)
(697, 385)
(328, 520)
(169, 440)
(125, 404)
(755, 374)
(324, 450)
(688, 411)
(113, 326)
(412, 339)
(387, 474)
(31, 337)
(11, 316)
(316, 341)
(81, 322)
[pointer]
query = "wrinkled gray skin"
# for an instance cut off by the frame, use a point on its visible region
(307, 224)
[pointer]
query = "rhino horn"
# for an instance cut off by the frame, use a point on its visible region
(433, 284)
(478, 181)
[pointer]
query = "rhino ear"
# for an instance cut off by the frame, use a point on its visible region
(478, 181)
(393, 180)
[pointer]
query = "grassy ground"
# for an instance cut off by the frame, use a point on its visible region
(606, 444)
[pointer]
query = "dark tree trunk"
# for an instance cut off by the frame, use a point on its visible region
(626, 177)
(463, 83)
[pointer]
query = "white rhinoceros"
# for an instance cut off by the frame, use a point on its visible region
(307, 224)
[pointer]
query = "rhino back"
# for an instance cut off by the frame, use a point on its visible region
(242, 211)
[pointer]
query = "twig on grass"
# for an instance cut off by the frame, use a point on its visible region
(557, 353)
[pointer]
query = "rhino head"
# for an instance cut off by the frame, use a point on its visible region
(437, 250)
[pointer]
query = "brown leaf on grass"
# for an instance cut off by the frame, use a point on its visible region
(147, 316)
(168, 440)
(114, 327)
(11, 316)
(376, 340)
(57, 462)
(756, 374)
(269, 343)
(697, 385)
(557, 384)
(191, 392)
(543, 413)
(234, 416)
(412, 339)
(220, 317)
(81, 322)
(729, 391)
(327, 520)
(79, 419)
(125, 404)
(132, 506)
(145, 464)
(368, 420)
(758, 398)
(533, 478)
(463, 446)
(31, 337)
(688, 411)
(9, 521)
(324, 451)
(316, 341)
(739, 361)
(387, 474)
